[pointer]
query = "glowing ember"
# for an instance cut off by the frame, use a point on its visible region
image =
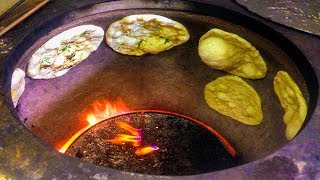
(132, 130)
(123, 138)
(102, 111)
(135, 138)
(145, 150)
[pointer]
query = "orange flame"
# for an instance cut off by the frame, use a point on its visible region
(102, 111)
(123, 138)
(145, 150)
(132, 130)
(135, 138)
(92, 120)
(107, 109)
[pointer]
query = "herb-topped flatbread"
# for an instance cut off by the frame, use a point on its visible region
(64, 51)
(145, 33)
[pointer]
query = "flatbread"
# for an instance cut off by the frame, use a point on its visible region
(231, 53)
(233, 97)
(145, 33)
(64, 51)
(292, 101)
(17, 85)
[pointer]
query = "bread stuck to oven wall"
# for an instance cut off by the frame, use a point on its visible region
(145, 34)
(64, 51)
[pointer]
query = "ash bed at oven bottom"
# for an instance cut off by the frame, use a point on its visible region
(185, 147)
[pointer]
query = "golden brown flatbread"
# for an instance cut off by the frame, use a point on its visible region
(233, 97)
(292, 101)
(231, 53)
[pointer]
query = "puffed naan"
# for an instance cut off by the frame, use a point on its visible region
(64, 51)
(233, 97)
(292, 101)
(145, 33)
(17, 85)
(231, 53)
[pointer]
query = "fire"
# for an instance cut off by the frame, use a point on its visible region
(135, 138)
(132, 130)
(92, 120)
(123, 138)
(102, 110)
(107, 109)
(145, 150)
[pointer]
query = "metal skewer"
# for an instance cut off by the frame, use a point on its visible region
(11, 9)
(24, 16)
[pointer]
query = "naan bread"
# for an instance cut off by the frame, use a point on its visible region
(231, 53)
(64, 51)
(292, 101)
(233, 97)
(17, 85)
(145, 33)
